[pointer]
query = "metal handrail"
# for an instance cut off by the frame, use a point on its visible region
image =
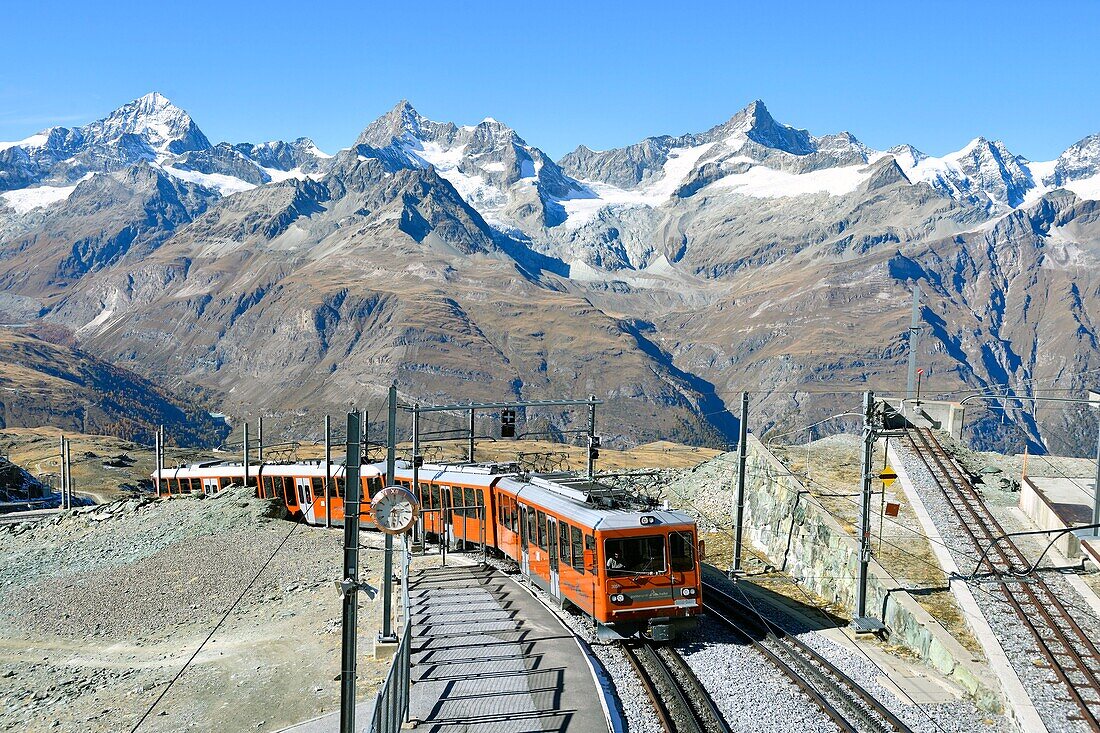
(391, 705)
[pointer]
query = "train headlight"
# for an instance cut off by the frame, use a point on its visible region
(687, 592)
(618, 598)
(647, 520)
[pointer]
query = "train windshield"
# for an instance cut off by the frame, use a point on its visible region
(635, 555)
(681, 550)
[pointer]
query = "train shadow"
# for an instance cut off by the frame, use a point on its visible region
(794, 612)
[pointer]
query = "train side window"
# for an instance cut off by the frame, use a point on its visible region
(435, 497)
(196, 485)
(456, 501)
(532, 533)
(288, 492)
(470, 500)
(590, 553)
(318, 488)
(266, 483)
(577, 550)
(563, 542)
(681, 551)
(541, 542)
(337, 487)
(374, 485)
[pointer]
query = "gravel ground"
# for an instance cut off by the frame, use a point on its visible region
(124, 580)
(744, 684)
(101, 606)
(961, 715)
(739, 679)
(1017, 641)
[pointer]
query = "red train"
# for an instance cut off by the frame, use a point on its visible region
(634, 570)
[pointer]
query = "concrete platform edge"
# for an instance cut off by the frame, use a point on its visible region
(612, 710)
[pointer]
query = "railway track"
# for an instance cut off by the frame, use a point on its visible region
(1069, 652)
(847, 704)
(33, 515)
(683, 705)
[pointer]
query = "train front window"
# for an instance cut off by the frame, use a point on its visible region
(681, 551)
(635, 555)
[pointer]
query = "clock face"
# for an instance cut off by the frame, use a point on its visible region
(395, 509)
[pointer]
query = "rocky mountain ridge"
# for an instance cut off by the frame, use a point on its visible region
(463, 262)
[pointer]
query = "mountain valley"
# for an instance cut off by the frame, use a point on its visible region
(466, 264)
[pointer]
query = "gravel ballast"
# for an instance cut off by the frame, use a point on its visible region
(1047, 694)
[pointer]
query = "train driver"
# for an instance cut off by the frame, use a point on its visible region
(615, 562)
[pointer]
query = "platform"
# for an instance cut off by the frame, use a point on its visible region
(1057, 503)
(487, 657)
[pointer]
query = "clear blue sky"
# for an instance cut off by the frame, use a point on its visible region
(600, 73)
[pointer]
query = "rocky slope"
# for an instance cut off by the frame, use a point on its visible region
(463, 262)
(101, 607)
(43, 383)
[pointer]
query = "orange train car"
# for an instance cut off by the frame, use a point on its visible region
(300, 486)
(634, 571)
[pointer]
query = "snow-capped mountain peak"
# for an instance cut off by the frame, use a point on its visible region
(511, 183)
(1080, 160)
(153, 117)
(756, 123)
(907, 156)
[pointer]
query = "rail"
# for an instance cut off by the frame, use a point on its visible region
(847, 704)
(1066, 647)
(681, 701)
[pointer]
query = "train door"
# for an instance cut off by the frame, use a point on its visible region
(304, 502)
(552, 548)
(524, 563)
(447, 517)
(288, 494)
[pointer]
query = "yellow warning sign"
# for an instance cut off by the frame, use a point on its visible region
(888, 476)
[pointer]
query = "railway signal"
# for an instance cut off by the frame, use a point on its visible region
(593, 447)
(887, 477)
(507, 423)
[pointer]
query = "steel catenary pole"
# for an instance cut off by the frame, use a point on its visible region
(387, 635)
(865, 505)
(742, 461)
(591, 435)
(350, 584)
(328, 471)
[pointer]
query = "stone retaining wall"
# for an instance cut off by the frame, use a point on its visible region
(785, 522)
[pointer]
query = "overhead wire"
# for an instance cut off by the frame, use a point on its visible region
(218, 625)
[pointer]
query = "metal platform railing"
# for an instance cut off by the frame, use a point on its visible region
(391, 706)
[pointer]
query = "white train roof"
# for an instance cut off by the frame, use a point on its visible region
(227, 469)
(564, 494)
(572, 503)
